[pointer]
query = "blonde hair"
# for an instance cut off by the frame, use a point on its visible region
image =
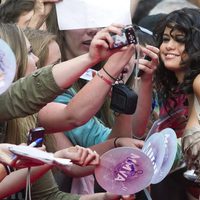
(14, 36)
(40, 40)
(105, 113)
(17, 128)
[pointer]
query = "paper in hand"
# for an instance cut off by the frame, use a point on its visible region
(37, 155)
(78, 14)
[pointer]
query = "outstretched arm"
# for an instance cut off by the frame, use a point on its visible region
(58, 117)
(45, 84)
(77, 171)
(16, 180)
(142, 113)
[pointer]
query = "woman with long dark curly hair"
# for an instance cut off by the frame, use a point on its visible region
(177, 77)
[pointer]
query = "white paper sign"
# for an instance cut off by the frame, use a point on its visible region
(77, 14)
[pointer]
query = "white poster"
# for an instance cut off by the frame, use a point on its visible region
(77, 14)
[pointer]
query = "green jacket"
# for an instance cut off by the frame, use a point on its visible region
(29, 94)
(25, 97)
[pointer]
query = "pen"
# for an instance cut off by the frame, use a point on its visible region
(36, 142)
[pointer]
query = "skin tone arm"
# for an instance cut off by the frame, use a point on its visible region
(142, 113)
(79, 155)
(135, 125)
(67, 118)
(8, 186)
(16, 180)
(55, 113)
(99, 50)
(77, 171)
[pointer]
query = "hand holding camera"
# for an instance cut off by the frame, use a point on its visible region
(127, 37)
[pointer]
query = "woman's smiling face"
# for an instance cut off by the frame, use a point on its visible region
(172, 49)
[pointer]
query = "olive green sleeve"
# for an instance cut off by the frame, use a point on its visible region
(29, 94)
(46, 189)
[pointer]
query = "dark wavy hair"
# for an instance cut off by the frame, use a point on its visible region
(187, 21)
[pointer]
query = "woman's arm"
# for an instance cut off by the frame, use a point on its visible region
(16, 180)
(58, 117)
(135, 125)
(45, 84)
(77, 171)
(142, 113)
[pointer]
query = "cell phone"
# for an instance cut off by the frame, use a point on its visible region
(34, 134)
(141, 71)
(128, 37)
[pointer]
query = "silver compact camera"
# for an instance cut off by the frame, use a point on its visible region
(128, 37)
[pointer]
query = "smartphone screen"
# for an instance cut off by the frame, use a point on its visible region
(35, 134)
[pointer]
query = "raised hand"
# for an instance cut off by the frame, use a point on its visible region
(42, 8)
(100, 48)
(148, 66)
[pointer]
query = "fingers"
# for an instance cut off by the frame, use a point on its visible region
(101, 47)
(92, 159)
(138, 143)
(106, 34)
(79, 155)
(149, 65)
(87, 157)
(114, 29)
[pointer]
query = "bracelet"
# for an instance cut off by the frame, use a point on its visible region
(115, 142)
(115, 79)
(7, 168)
(104, 79)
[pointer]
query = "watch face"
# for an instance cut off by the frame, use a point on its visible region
(7, 66)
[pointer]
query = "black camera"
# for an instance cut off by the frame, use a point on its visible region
(128, 37)
(123, 99)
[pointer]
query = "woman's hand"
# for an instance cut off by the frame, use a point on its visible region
(42, 8)
(129, 142)
(6, 156)
(148, 66)
(22, 162)
(100, 47)
(79, 155)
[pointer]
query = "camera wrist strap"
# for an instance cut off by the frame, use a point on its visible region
(28, 185)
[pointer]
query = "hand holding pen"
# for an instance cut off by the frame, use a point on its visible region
(36, 142)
